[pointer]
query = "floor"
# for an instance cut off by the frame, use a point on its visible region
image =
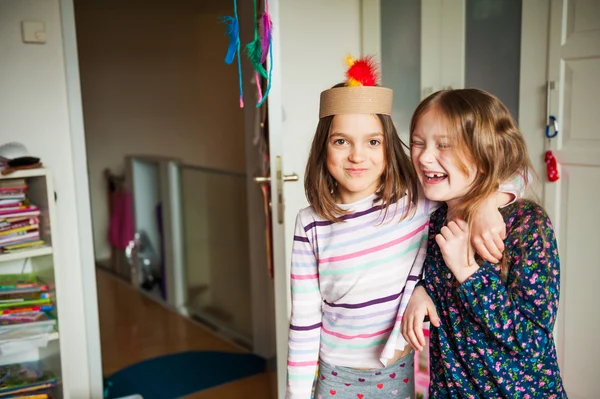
(134, 328)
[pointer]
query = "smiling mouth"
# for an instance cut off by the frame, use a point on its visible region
(355, 171)
(434, 177)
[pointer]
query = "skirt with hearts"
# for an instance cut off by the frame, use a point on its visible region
(395, 381)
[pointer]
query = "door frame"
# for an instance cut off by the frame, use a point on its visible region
(533, 88)
(354, 14)
(91, 358)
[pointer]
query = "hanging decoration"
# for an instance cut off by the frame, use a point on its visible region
(254, 49)
(550, 159)
(551, 166)
(233, 33)
(266, 36)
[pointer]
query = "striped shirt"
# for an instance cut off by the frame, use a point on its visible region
(351, 283)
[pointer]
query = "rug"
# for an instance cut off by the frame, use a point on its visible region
(181, 374)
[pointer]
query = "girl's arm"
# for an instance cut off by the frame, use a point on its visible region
(305, 325)
(520, 313)
(420, 305)
(488, 230)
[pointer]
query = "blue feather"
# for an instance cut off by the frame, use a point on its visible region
(233, 33)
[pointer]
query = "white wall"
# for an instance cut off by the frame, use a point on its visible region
(34, 109)
(532, 84)
(154, 83)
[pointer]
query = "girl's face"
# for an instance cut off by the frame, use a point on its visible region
(355, 155)
(435, 160)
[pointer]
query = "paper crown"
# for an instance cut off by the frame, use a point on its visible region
(361, 95)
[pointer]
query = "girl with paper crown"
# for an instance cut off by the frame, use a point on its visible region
(359, 248)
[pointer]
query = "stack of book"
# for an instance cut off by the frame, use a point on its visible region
(25, 306)
(19, 219)
(25, 380)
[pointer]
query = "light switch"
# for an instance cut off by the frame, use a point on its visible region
(34, 32)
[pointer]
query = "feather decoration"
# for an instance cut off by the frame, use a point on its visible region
(254, 48)
(254, 52)
(270, 75)
(233, 33)
(266, 35)
(362, 72)
(266, 29)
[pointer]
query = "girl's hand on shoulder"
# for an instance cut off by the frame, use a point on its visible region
(419, 306)
(457, 250)
(489, 231)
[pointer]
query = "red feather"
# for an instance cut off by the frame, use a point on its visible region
(365, 71)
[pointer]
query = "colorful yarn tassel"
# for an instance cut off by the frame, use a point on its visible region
(258, 86)
(233, 33)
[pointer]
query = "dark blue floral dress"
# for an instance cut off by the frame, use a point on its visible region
(495, 340)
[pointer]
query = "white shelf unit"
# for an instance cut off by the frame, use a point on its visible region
(42, 262)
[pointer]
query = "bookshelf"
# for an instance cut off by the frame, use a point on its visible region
(31, 253)
(38, 345)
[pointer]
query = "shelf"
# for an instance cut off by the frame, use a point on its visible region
(22, 174)
(26, 253)
(53, 336)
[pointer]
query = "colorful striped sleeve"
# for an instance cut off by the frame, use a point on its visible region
(414, 276)
(305, 325)
(516, 186)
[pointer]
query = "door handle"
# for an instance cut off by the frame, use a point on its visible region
(262, 179)
(267, 179)
(280, 179)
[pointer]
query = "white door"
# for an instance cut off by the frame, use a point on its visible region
(311, 39)
(574, 66)
(442, 45)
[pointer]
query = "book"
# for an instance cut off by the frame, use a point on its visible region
(19, 303)
(16, 238)
(18, 295)
(13, 183)
(12, 195)
(10, 203)
(13, 215)
(13, 190)
(24, 227)
(18, 209)
(25, 320)
(22, 246)
(7, 226)
(27, 309)
(16, 281)
(24, 377)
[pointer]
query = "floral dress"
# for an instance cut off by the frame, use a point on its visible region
(495, 338)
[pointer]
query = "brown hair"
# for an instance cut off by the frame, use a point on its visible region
(398, 178)
(485, 134)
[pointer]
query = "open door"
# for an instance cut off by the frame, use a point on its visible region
(573, 98)
(311, 39)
